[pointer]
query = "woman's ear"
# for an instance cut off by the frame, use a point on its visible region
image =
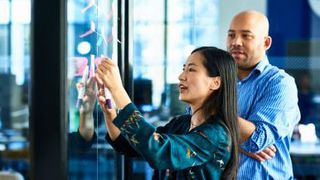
(215, 83)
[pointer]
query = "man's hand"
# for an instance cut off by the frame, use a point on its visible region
(264, 155)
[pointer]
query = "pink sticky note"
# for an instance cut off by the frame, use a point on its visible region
(79, 65)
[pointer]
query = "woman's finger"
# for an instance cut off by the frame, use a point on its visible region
(102, 102)
(104, 65)
(99, 81)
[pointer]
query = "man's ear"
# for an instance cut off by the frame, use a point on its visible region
(267, 42)
(215, 83)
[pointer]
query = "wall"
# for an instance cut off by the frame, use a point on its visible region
(228, 8)
(296, 37)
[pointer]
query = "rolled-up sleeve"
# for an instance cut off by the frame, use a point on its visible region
(275, 113)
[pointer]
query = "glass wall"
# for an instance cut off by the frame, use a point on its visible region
(92, 34)
(164, 33)
(14, 84)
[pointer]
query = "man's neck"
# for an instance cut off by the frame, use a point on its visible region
(243, 73)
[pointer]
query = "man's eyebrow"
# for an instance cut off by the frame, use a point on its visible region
(243, 31)
(246, 31)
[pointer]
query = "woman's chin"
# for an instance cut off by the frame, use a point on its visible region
(183, 99)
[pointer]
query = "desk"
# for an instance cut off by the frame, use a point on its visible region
(305, 158)
(299, 148)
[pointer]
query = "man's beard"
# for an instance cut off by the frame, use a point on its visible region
(246, 68)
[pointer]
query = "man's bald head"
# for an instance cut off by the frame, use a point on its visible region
(253, 18)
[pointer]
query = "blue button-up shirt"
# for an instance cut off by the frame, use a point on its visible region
(268, 98)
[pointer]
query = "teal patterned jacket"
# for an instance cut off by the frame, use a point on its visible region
(174, 151)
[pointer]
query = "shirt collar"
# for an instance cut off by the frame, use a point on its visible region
(258, 69)
(261, 65)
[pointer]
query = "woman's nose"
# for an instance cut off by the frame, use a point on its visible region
(181, 77)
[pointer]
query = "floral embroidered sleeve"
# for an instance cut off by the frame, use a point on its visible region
(172, 151)
(122, 146)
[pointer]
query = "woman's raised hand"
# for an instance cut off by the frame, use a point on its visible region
(108, 73)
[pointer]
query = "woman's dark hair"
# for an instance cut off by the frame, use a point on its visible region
(223, 101)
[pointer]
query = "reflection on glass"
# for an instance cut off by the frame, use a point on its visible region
(91, 35)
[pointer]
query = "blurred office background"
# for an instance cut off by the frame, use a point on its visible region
(150, 40)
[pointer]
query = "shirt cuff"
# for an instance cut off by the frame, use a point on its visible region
(252, 144)
(124, 114)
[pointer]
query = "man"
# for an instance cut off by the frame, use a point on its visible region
(267, 101)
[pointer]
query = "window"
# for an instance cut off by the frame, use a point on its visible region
(92, 28)
(14, 84)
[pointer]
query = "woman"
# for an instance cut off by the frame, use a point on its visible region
(202, 145)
